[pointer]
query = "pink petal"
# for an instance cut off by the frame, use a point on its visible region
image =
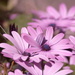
(25, 43)
(64, 72)
(16, 56)
(52, 12)
(43, 57)
(10, 73)
(6, 54)
(35, 59)
(63, 10)
(63, 42)
(24, 30)
(39, 30)
(40, 38)
(72, 29)
(38, 68)
(18, 40)
(61, 52)
(30, 40)
(17, 71)
(71, 12)
(10, 38)
(72, 60)
(32, 31)
(9, 48)
(62, 59)
(36, 20)
(24, 58)
(46, 68)
(28, 67)
(57, 38)
(63, 23)
(31, 50)
(33, 24)
(49, 33)
(72, 39)
(57, 47)
(55, 68)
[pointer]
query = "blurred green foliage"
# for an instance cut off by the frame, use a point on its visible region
(21, 20)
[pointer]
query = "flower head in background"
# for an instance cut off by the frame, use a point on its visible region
(51, 12)
(62, 19)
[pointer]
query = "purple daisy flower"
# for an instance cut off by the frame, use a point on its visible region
(47, 44)
(62, 20)
(18, 50)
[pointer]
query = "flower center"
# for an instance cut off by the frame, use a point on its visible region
(52, 24)
(46, 47)
(26, 54)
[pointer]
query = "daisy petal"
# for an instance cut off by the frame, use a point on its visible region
(18, 40)
(72, 39)
(28, 67)
(64, 72)
(57, 38)
(49, 33)
(63, 11)
(30, 40)
(24, 58)
(24, 30)
(39, 30)
(32, 50)
(40, 39)
(38, 68)
(61, 52)
(71, 12)
(55, 68)
(72, 60)
(10, 38)
(16, 56)
(17, 71)
(33, 24)
(10, 73)
(52, 12)
(32, 32)
(8, 47)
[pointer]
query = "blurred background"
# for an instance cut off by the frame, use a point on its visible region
(18, 12)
